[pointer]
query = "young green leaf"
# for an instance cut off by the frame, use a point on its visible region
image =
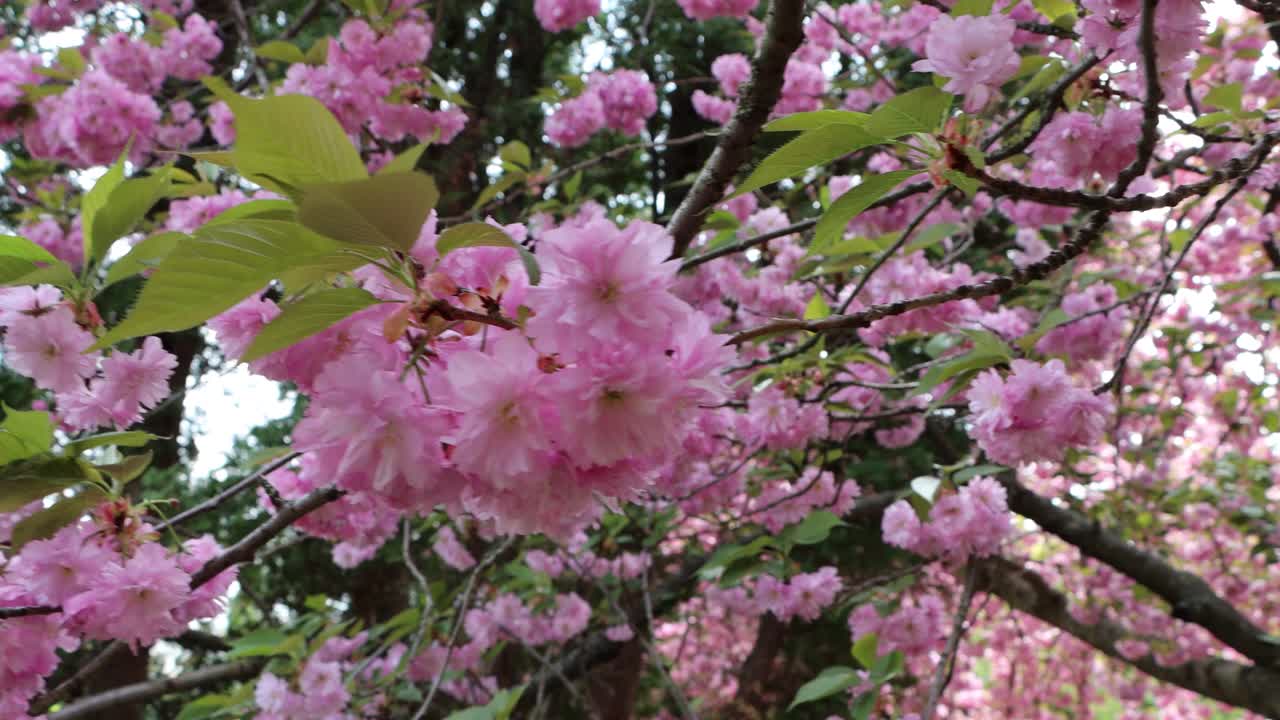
(24, 434)
(23, 262)
(127, 203)
(144, 255)
(815, 147)
(222, 264)
(865, 650)
(292, 139)
(281, 51)
(122, 438)
(383, 210)
(32, 478)
(813, 529)
(472, 234)
(829, 682)
(817, 308)
(306, 317)
(815, 119)
(93, 203)
(919, 111)
(50, 520)
(858, 198)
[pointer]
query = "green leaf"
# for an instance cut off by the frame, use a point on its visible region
(817, 308)
(846, 246)
(931, 236)
(504, 702)
(976, 470)
(406, 161)
(728, 554)
(813, 529)
(1054, 9)
(721, 220)
(860, 197)
(257, 209)
(24, 434)
(815, 119)
(128, 469)
(966, 184)
(829, 682)
(306, 317)
(280, 50)
(863, 705)
(887, 667)
(47, 522)
(472, 234)
(530, 263)
(259, 643)
(926, 486)
(1228, 97)
(988, 342)
(919, 111)
(975, 360)
(30, 479)
(518, 153)
(815, 147)
(290, 139)
(318, 53)
(146, 254)
(971, 7)
(222, 264)
(93, 203)
(23, 262)
(71, 60)
(1047, 75)
(865, 650)
(126, 205)
(1213, 118)
(572, 185)
(1051, 320)
(383, 210)
(500, 185)
(204, 707)
(123, 438)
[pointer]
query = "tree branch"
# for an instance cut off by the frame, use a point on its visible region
(91, 706)
(1113, 202)
(244, 550)
(783, 34)
(1244, 686)
(1189, 596)
(1085, 236)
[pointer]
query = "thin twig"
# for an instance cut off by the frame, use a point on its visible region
(942, 674)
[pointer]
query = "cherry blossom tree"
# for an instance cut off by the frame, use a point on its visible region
(697, 359)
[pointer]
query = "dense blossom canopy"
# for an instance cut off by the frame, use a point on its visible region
(680, 359)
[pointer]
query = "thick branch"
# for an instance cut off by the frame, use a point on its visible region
(1243, 686)
(1189, 596)
(1085, 236)
(249, 545)
(28, 611)
(783, 34)
(1236, 168)
(90, 707)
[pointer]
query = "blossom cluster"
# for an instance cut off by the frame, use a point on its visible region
(1035, 413)
(621, 100)
(46, 338)
(360, 72)
(558, 15)
(523, 427)
(111, 104)
(110, 580)
(970, 522)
